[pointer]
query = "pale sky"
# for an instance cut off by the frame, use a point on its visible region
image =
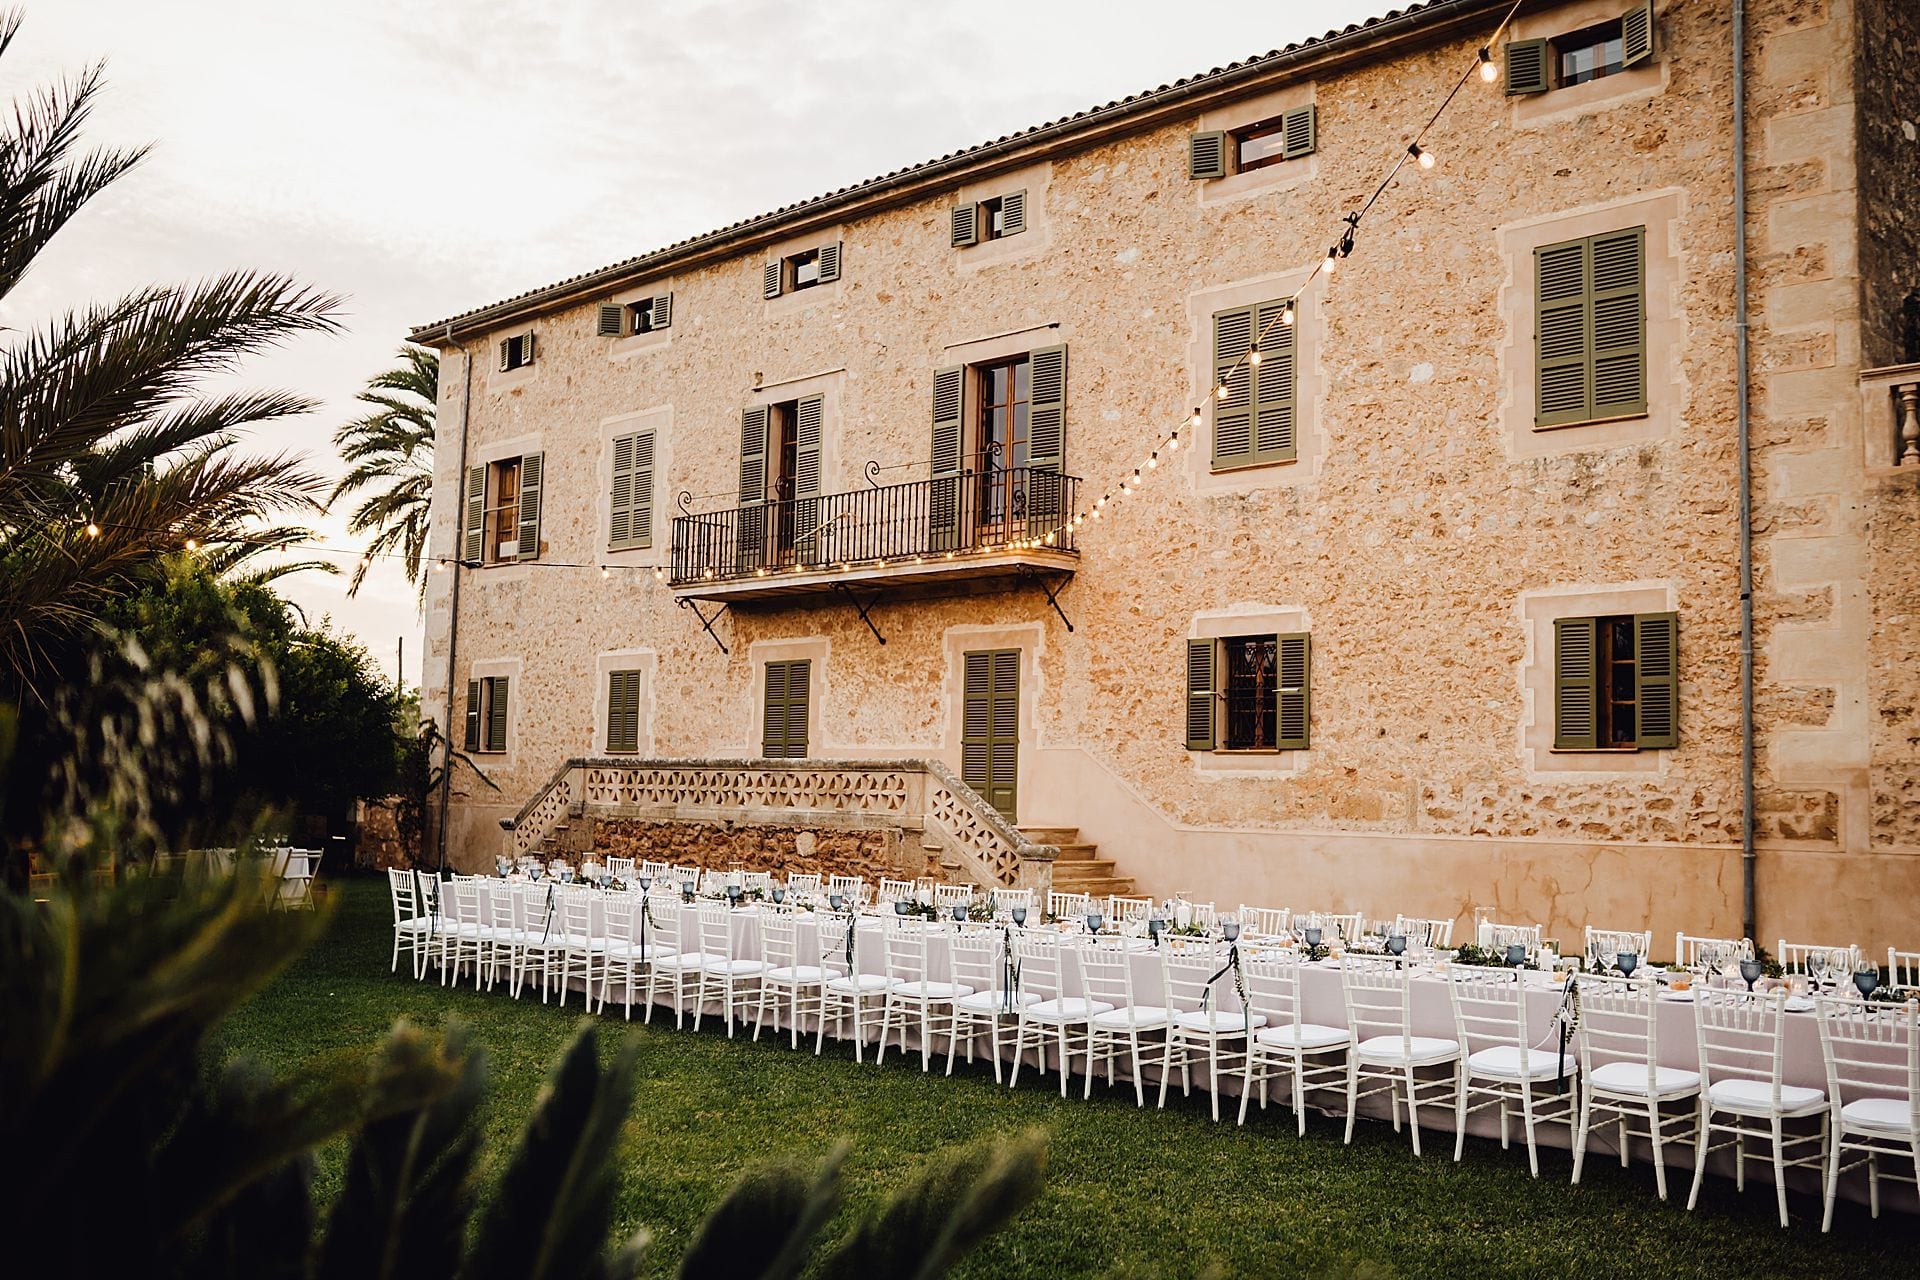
(423, 157)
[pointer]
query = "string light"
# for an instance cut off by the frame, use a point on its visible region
(604, 574)
(93, 530)
(1424, 157)
(1332, 263)
(1153, 459)
(193, 544)
(1286, 318)
(1221, 391)
(1489, 69)
(1193, 422)
(1253, 355)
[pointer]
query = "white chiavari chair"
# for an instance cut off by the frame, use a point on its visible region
(506, 942)
(1265, 922)
(1126, 911)
(1421, 932)
(912, 994)
(1903, 968)
(724, 974)
(853, 888)
(761, 880)
(1873, 1074)
(627, 958)
(1603, 946)
(462, 931)
(895, 890)
(1380, 1013)
(977, 957)
(1344, 926)
(656, 870)
(1106, 977)
(581, 948)
(793, 980)
(1621, 1077)
(536, 920)
(1690, 951)
(412, 924)
(1742, 1039)
(680, 961)
(1820, 962)
(857, 998)
(1307, 1055)
(948, 896)
(1503, 1067)
(802, 884)
(1067, 906)
(1193, 990)
(1007, 899)
(682, 874)
(1055, 1017)
(622, 869)
(1497, 937)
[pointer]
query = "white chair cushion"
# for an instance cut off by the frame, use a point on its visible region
(1502, 1062)
(734, 968)
(929, 990)
(1309, 1036)
(419, 924)
(1219, 1022)
(687, 960)
(1069, 1009)
(864, 984)
(634, 951)
(1394, 1051)
(1631, 1078)
(1882, 1115)
(1755, 1098)
(1139, 1017)
(789, 975)
(993, 1001)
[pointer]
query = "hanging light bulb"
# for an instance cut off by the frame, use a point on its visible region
(1136, 477)
(1173, 441)
(93, 530)
(1253, 355)
(1221, 392)
(1489, 69)
(605, 573)
(1333, 261)
(439, 566)
(1153, 459)
(1420, 154)
(659, 575)
(193, 544)
(1193, 421)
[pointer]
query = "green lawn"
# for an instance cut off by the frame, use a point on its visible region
(1128, 1191)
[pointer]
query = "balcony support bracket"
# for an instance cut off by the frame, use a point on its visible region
(1053, 587)
(842, 588)
(686, 602)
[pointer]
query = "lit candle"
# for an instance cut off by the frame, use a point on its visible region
(1182, 915)
(923, 895)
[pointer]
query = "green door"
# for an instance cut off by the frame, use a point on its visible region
(990, 728)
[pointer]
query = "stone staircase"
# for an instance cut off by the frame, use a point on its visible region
(1080, 868)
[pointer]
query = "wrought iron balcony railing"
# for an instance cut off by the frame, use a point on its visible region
(972, 512)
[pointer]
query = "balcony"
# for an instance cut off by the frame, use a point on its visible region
(973, 531)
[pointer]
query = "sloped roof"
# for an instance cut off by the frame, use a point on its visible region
(1389, 26)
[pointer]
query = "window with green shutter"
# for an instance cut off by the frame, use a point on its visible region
(994, 218)
(1290, 135)
(516, 352)
(990, 727)
(1590, 329)
(788, 694)
(1576, 57)
(1616, 682)
(623, 712)
(487, 708)
(630, 506)
(1249, 693)
(501, 523)
(1256, 422)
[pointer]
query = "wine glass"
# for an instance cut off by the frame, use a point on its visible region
(959, 913)
(1397, 944)
(1626, 962)
(1019, 916)
(1751, 971)
(1230, 929)
(1093, 923)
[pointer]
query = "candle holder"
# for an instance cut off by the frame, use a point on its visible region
(1751, 971)
(1626, 962)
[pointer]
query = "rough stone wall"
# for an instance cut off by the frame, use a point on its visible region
(870, 853)
(1889, 123)
(379, 844)
(1406, 545)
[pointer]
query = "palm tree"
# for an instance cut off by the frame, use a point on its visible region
(112, 456)
(390, 451)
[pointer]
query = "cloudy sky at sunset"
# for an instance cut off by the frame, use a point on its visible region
(426, 156)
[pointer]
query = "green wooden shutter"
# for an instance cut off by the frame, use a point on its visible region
(662, 310)
(497, 714)
(1046, 430)
(1202, 659)
(1298, 132)
(472, 536)
(528, 535)
(964, 226)
(1013, 213)
(1232, 416)
(773, 717)
(620, 502)
(473, 715)
(1563, 339)
(753, 486)
(1527, 70)
(1275, 438)
(1207, 155)
(799, 693)
(642, 532)
(623, 711)
(945, 498)
(770, 276)
(1618, 326)
(1292, 692)
(506, 353)
(829, 261)
(990, 727)
(1656, 670)
(1576, 684)
(807, 414)
(613, 320)
(1636, 34)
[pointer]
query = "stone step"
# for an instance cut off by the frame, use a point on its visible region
(1100, 887)
(1079, 852)
(1051, 835)
(1083, 869)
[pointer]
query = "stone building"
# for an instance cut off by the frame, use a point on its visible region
(1439, 608)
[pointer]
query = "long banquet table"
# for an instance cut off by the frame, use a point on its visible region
(1322, 1001)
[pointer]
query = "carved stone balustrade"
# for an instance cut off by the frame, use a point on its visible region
(1890, 409)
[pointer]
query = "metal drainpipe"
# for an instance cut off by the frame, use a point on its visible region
(1748, 859)
(453, 622)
